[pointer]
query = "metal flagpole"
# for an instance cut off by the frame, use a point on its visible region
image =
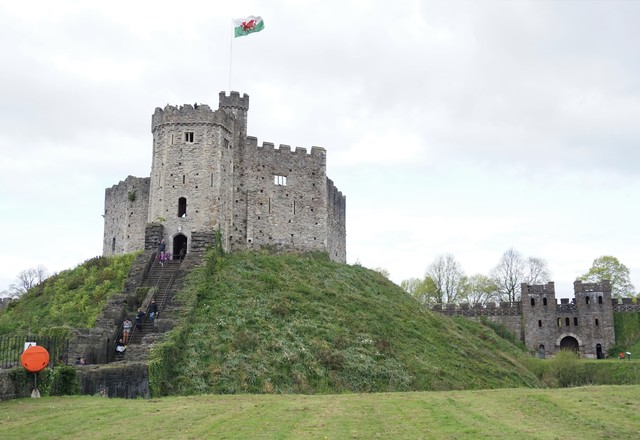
(230, 53)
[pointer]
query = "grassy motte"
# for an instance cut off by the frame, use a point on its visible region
(70, 299)
(261, 323)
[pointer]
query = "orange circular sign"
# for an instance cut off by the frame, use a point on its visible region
(35, 359)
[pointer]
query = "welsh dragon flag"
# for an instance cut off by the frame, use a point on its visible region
(246, 26)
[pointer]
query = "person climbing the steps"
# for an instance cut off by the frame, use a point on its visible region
(126, 330)
(139, 319)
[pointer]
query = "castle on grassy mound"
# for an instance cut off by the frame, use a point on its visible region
(208, 177)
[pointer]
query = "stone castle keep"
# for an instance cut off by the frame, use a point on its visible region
(209, 177)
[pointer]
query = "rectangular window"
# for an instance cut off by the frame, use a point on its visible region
(280, 180)
(188, 136)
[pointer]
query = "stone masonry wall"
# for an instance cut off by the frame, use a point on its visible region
(286, 199)
(124, 218)
(192, 162)
(336, 223)
(208, 176)
(96, 344)
(587, 319)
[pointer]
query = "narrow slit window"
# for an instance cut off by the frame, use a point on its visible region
(182, 207)
(188, 136)
(113, 244)
(539, 323)
(567, 322)
(575, 322)
(280, 180)
(544, 301)
(533, 302)
(597, 322)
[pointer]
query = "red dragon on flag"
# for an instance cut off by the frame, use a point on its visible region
(248, 25)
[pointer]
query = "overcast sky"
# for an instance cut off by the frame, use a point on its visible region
(462, 127)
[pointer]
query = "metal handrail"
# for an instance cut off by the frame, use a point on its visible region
(134, 327)
(164, 297)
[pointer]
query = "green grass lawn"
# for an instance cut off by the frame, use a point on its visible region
(603, 412)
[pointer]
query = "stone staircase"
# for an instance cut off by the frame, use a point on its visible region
(162, 279)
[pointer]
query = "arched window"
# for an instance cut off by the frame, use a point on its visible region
(182, 207)
(586, 299)
(600, 299)
(559, 322)
(533, 302)
(567, 322)
(539, 323)
(597, 322)
(544, 301)
(575, 321)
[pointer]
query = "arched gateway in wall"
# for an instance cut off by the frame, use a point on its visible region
(179, 246)
(569, 343)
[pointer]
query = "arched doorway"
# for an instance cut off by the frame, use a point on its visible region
(569, 343)
(541, 351)
(599, 353)
(179, 246)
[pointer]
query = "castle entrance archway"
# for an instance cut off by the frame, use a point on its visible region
(179, 246)
(569, 343)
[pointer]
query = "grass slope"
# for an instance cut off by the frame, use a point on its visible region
(586, 413)
(258, 323)
(70, 299)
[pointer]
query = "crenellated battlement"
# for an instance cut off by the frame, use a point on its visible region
(538, 289)
(581, 287)
(252, 143)
(234, 101)
(208, 177)
(190, 114)
(490, 309)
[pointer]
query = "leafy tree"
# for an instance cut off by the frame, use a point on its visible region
(444, 280)
(513, 270)
(609, 268)
(27, 279)
(480, 289)
(422, 290)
